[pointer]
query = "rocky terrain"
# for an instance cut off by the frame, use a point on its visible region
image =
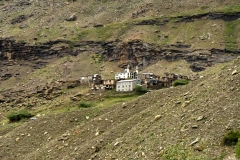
(46, 46)
(188, 118)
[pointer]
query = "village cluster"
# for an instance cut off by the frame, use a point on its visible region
(127, 81)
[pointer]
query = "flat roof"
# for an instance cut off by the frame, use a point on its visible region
(129, 80)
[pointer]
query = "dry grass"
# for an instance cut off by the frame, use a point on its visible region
(158, 125)
(130, 130)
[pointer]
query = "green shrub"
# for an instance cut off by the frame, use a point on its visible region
(231, 138)
(84, 105)
(237, 149)
(140, 90)
(19, 115)
(180, 152)
(180, 82)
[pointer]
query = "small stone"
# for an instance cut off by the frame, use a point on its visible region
(195, 141)
(200, 118)
(185, 103)
(22, 26)
(117, 143)
(195, 126)
(17, 139)
(157, 117)
(234, 72)
(178, 102)
(184, 128)
(198, 148)
(97, 133)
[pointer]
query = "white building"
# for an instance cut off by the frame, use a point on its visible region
(127, 85)
(126, 74)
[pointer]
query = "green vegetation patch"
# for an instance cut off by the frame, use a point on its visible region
(237, 149)
(231, 138)
(180, 82)
(179, 152)
(231, 9)
(19, 115)
(113, 30)
(231, 34)
(84, 105)
(140, 90)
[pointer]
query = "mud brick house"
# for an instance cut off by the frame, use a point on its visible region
(109, 84)
(91, 80)
(97, 79)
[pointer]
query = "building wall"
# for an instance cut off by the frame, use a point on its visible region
(126, 85)
(122, 75)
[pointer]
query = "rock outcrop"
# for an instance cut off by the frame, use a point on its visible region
(143, 54)
(135, 53)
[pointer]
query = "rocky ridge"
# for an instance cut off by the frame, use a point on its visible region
(135, 53)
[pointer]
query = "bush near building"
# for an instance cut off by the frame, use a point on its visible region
(140, 90)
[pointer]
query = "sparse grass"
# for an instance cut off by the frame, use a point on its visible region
(231, 34)
(19, 115)
(230, 9)
(237, 149)
(107, 32)
(179, 152)
(112, 97)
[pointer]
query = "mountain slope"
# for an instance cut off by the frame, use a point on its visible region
(167, 123)
(46, 46)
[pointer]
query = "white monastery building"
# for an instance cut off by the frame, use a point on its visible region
(126, 74)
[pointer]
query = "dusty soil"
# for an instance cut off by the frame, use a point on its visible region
(183, 122)
(148, 127)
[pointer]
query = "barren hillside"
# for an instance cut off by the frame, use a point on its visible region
(47, 46)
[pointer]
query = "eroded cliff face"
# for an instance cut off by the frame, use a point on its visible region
(18, 59)
(15, 55)
(143, 54)
(135, 53)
